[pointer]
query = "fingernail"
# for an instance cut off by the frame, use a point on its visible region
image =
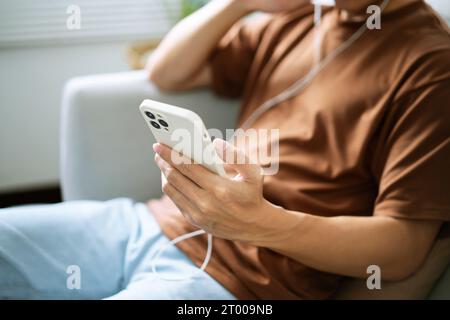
(156, 147)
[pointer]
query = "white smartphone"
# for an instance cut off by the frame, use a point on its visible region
(183, 131)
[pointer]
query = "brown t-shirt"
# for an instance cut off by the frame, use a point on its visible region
(370, 135)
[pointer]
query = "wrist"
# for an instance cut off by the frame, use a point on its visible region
(277, 226)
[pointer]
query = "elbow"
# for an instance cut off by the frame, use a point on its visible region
(400, 272)
(403, 267)
(160, 77)
(409, 249)
(157, 78)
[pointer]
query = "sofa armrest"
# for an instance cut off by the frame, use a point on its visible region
(105, 145)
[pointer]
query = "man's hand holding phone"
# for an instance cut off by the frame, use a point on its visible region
(228, 207)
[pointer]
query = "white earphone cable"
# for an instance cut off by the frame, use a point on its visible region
(173, 242)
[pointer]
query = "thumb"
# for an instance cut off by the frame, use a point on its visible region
(237, 160)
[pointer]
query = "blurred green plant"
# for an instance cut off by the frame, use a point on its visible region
(189, 6)
(186, 7)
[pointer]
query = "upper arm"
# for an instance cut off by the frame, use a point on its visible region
(226, 68)
(411, 164)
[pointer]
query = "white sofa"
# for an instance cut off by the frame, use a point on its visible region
(106, 153)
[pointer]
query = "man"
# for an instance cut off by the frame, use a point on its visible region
(363, 170)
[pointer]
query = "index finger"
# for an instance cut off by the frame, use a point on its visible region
(195, 172)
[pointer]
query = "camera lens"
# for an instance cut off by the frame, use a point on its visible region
(163, 123)
(150, 115)
(155, 125)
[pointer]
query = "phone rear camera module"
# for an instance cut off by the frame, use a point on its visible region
(155, 125)
(150, 115)
(163, 123)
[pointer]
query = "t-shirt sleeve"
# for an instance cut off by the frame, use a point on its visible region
(414, 162)
(233, 57)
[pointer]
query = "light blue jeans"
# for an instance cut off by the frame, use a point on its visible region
(92, 250)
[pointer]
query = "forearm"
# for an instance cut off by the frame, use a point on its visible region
(348, 245)
(187, 47)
